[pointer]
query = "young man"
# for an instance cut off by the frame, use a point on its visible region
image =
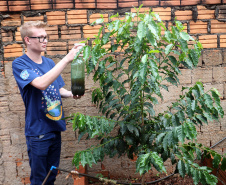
(41, 88)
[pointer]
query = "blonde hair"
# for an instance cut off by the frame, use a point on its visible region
(25, 29)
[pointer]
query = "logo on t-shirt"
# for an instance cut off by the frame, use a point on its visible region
(51, 101)
(24, 74)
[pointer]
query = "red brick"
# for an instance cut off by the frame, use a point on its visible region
(164, 13)
(18, 2)
(106, 5)
(127, 3)
(55, 18)
(217, 26)
(190, 2)
(142, 10)
(3, 3)
(183, 15)
(17, 35)
(38, 18)
(3, 8)
(12, 20)
(41, 6)
(39, 1)
(198, 27)
(52, 32)
(7, 36)
(103, 4)
(149, 2)
(26, 180)
(211, 2)
(85, 4)
(14, 50)
(77, 16)
(18, 8)
(96, 16)
(204, 13)
(57, 44)
(57, 52)
(222, 41)
(81, 180)
(62, 5)
(90, 31)
(170, 3)
(208, 41)
(70, 32)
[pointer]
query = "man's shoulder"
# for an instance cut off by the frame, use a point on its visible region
(19, 60)
(48, 60)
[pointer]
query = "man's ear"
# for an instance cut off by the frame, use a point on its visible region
(27, 40)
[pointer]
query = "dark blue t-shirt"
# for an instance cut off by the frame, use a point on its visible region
(43, 108)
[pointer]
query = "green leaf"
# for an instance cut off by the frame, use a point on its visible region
(172, 80)
(190, 130)
(151, 38)
(76, 159)
(173, 60)
(216, 97)
(143, 72)
(202, 118)
(160, 137)
(185, 36)
(195, 174)
(181, 168)
(83, 159)
(154, 51)
(208, 100)
(168, 48)
(181, 135)
(223, 164)
(154, 68)
(105, 38)
(168, 36)
(158, 160)
(99, 21)
(179, 25)
(216, 161)
(183, 45)
(141, 32)
(144, 59)
(189, 63)
(154, 29)
(86, 53)
(143, 163)
(194, 56)
(210, 179)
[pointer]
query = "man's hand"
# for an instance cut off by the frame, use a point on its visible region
(68, 94)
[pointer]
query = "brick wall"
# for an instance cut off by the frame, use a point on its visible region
(70, 23)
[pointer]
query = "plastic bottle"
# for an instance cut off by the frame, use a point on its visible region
(78, 77)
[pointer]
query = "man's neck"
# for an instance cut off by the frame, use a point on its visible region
(35, 57)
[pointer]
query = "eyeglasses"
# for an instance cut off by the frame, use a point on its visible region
(41, 39)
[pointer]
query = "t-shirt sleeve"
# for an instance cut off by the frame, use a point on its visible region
(60, 81)
(23, 73)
